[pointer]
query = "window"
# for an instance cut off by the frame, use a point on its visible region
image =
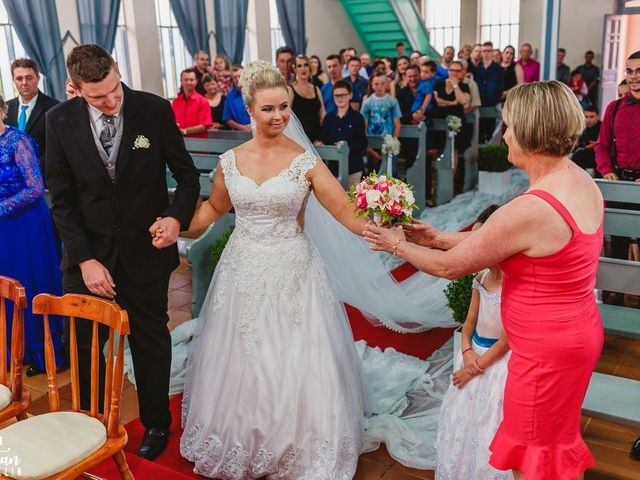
(277, 39)
(121, 49)
(250, 52)
(10, 49)
(500, 22)
(173, 53)
(442, 19)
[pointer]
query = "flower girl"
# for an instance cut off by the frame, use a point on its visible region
(472, 407)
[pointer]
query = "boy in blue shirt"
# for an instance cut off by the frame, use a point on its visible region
(422, 103)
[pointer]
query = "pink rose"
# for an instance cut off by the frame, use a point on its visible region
(382, 186)
(361, 201)
(394, 208)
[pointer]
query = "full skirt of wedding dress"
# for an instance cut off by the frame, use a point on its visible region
(274, 387)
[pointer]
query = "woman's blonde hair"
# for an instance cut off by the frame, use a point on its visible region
(546, 117)
(259, 75)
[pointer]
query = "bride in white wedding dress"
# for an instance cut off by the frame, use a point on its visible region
(275, 387)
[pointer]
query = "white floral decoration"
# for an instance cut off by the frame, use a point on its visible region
(454, 123)
(141, 142)
(255, 68)
(390, 145)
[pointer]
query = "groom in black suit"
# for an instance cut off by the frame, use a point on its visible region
(108, 151)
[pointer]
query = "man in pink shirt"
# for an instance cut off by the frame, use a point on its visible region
(192, 110)
(530, 66)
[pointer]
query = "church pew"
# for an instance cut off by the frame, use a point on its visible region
(471, 153)
(229, 135)
(496, 114)
(444, 166)
(416, 174)
(610, 397)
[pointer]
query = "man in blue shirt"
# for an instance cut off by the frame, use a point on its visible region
(334, 71)
(358, 83)
(490, 79)
(235, 113)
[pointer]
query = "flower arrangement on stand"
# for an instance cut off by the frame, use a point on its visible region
(390, 148)
(454, 124)
(384, 199)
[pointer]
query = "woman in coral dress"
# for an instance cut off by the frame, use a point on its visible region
(547, 243)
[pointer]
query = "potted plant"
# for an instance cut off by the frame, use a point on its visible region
(494, 169)
(458, 293)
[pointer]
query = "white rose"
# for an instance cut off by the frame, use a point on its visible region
(373, 197)
(408, 194)
(394, 192)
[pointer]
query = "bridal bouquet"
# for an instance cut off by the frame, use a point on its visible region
(384, 199)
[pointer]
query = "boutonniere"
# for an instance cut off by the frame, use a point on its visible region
(141, 142)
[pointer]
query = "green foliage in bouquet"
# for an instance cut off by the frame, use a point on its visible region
(458, 294)
(218, 247)
(494, 158)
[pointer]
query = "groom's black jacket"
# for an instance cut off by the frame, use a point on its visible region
(109, 221)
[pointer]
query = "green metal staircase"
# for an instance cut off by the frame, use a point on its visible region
(380, 24)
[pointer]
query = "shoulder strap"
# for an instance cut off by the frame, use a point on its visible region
(228, 164)
(303, 164)
(558, 206)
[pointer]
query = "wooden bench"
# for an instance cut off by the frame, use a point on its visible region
(610, 397)
(416, 174)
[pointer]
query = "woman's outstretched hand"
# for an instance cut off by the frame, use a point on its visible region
(383, 239)
(421, 234)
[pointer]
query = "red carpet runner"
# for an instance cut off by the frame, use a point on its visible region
(171, 465)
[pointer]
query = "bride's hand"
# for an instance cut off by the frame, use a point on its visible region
(421, 234)
(383, 239)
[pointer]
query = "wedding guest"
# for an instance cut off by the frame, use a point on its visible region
(547, 243)
(284, 62)
(192, 111)
(591, 75)
(530, 66)
(222, 72)
(465, 52)
(584, 155)
(414, 58)
(423, 100)
(215, 98)
(451, 95)
(366, 65)
(623, 88)
(235, 113)
(29, 250)
(472, 407)
(200, 68)
(401, 66)
(346, 124)
(490, 79)
(27, 111)
(447, 56)
(318, 76)
(475, 58)
(579, 88)
(359, 84)
(563, 72)
(513, 73)
(334, 71)
(496, 55)
(305, 99)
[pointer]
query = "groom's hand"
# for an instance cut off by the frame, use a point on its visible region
(165, 232)
(97, 279)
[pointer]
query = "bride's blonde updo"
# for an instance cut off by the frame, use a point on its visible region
(259, 75)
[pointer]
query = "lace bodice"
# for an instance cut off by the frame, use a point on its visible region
(272, 209)
(20, 179)
(268, 255)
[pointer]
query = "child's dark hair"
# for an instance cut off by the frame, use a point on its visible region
(431, 65)
(486, 213)
(342, 84)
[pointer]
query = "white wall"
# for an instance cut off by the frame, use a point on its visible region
(328, 28)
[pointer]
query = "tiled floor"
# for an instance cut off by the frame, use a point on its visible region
(609, 442)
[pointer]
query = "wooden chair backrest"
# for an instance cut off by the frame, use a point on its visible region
(99, 311)
(13, 291)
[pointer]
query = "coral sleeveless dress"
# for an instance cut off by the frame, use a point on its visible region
(556, 336)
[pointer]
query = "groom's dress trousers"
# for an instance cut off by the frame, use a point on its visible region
(107, 177)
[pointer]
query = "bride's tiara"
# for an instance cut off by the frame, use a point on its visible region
(255, 68)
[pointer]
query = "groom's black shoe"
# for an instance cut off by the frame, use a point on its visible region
(635, 449)
(153, 443)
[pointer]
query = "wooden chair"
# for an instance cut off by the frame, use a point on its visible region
(14, 398)
(63, 444)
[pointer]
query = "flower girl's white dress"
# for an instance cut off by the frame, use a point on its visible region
(275, 387)
(469, 417)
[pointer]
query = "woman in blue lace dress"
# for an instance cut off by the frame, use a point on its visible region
(28, 249)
